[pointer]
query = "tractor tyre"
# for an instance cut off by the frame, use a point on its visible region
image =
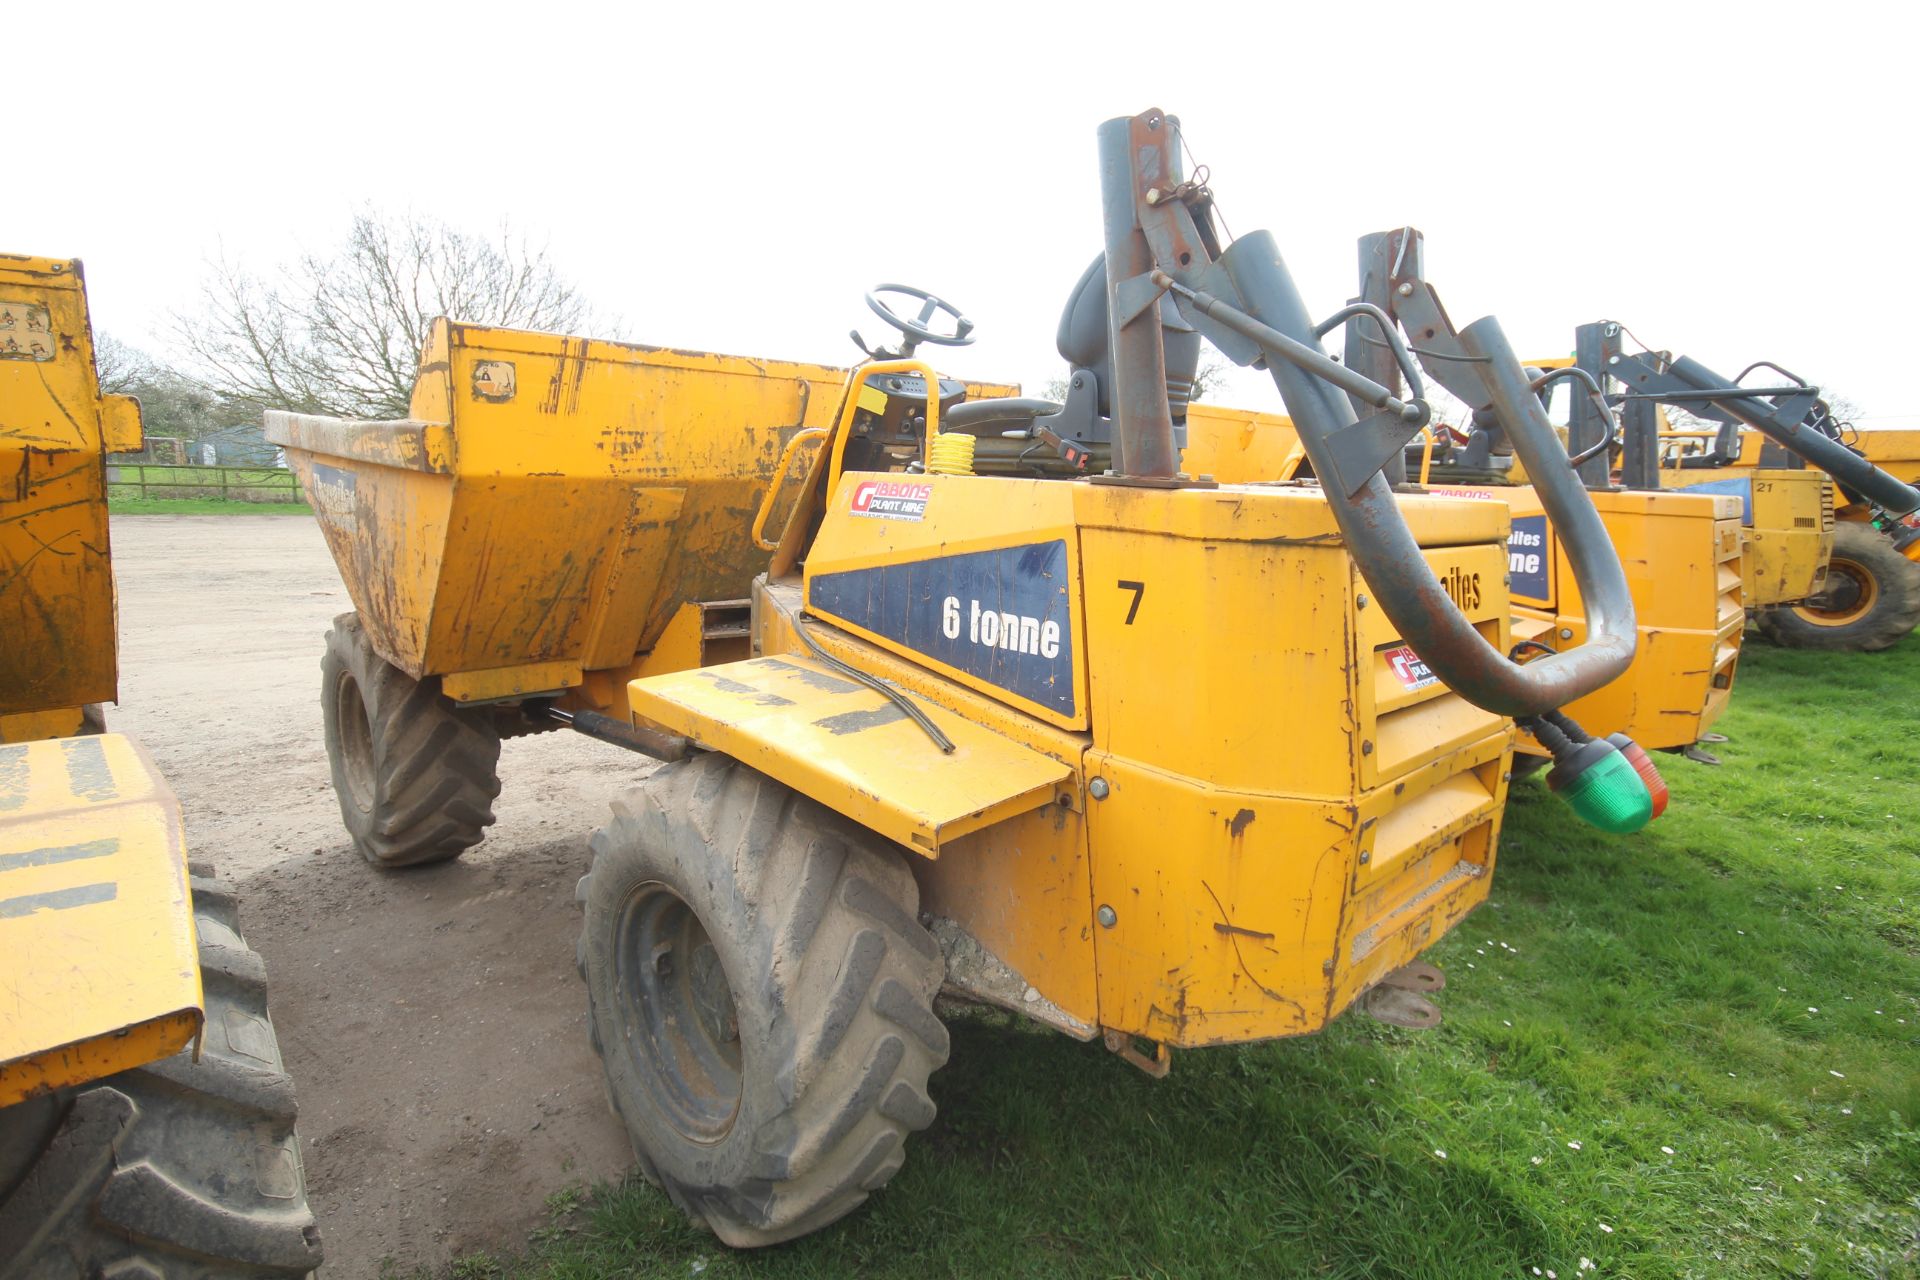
(178, 1170)
(415, 774)
(1871, 600)
(760, 993)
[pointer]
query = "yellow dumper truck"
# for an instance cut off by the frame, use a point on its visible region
(956, 691)
(146, 1118)
(1863, 548)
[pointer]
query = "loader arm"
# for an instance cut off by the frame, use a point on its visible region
(1790, 415)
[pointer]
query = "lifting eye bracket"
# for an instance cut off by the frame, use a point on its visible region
(1127, 1049)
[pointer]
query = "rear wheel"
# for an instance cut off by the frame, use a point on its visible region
(179, 1170)
(1871, 599)
(760, 994)
(416, 775)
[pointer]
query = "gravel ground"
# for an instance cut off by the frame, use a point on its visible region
(432, 1019)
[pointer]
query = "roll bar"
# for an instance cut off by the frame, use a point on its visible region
(1160, 238)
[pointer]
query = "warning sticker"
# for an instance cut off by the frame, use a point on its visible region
(891, 499)
(26, 331)
(1408, 669)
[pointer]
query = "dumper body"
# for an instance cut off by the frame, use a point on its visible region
(1261, 869)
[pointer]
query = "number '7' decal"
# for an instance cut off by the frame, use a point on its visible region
(1139, 589)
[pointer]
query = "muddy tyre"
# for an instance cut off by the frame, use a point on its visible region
(415, 774)
(177, 1170)
(1871, 600)
(760, 993)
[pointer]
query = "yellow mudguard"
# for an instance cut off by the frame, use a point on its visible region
(852, 748)
(96, 924)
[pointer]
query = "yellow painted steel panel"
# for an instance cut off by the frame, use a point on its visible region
(1790, 536)
(27, 726)
(56, 583)
(508, 682)
(1240, 444)
(1681, 553)
(95, 919)
(851, 748)
(960, 516)
(1240, 916)
(1260, 566)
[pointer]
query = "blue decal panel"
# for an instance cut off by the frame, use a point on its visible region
(1741, 488)
(1002, 616)
(1530, 560)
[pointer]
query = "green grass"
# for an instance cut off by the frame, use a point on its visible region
(203, 507)
(1652, 993)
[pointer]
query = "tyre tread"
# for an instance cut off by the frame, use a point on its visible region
(849, 972)
(435, 764)
(145, 1174)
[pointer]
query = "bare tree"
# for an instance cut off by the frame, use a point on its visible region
(1207, 377)
(341, 333)
(171, 404)
(121, 368)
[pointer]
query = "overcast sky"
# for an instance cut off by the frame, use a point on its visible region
(1735, 182)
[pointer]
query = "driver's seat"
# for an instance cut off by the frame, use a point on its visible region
(1084, 344)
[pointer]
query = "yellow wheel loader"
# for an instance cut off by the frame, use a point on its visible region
(146, 1117)
(956, 691)
(1782, 451)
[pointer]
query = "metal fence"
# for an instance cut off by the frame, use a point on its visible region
(222, 484)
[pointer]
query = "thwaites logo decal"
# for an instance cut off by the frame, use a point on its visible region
(1001, 616)
(1408, 669)
(331, 491)
(1527, 554)
(891, 499)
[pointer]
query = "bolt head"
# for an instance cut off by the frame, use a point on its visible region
(1366, 856)
(1405, 290)
(1098, 789)
(1566, 633)
(1107, 917)
(1360, 601)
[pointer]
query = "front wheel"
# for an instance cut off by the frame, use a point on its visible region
(416, 775)
(1870, 602)
(760, 994)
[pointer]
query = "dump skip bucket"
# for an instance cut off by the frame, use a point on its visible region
(551, 501)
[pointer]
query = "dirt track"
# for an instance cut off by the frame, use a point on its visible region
(431, 1019)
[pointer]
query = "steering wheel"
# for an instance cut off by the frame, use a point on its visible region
(930, 305)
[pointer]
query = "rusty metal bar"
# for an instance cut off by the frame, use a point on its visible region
(648, 742)
(1135, 154)
(1367, 356)
(1309, 358)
